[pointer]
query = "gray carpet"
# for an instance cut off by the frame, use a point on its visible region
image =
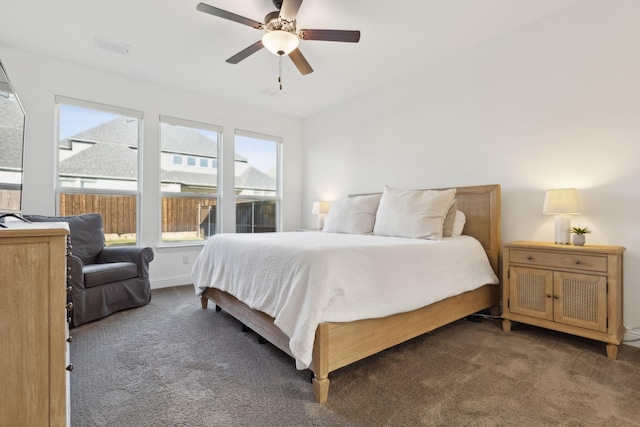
(170, 363)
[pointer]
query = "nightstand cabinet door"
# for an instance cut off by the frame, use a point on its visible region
(530, 292)
(580, 300)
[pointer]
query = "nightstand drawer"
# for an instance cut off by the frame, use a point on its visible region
(574, 261)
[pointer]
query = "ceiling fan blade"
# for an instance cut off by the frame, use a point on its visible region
(289, 9)
(300, 62)
(331, 35)
(202, 7)
(243, 54)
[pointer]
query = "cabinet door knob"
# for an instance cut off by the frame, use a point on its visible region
(578, 261)
(548, 295)
(70, 338)
(556, 297)
(70, 367)
(529, 257)
(69, 306)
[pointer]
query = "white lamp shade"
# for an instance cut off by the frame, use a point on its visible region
(320, 208)
(563, 201)
(280, 42)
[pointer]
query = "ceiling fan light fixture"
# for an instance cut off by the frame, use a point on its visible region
(280, 42)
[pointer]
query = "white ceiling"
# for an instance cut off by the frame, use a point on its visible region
(172, 43)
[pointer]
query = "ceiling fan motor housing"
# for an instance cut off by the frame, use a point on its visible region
(273, 22)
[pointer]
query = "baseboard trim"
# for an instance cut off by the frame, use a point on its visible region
(632, 335)
(167, 282)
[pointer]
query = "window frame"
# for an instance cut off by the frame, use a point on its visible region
(121, 111)
(278, 197)
(193, 124)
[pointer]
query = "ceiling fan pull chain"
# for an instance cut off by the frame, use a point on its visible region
(280, 71)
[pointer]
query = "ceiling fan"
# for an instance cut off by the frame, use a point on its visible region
(281, 36)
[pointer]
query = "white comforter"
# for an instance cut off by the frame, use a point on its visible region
(304, 278)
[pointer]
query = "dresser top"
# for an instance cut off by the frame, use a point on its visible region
(567, 248)
(24, 229)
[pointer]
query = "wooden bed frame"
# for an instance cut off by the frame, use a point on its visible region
(340, 344)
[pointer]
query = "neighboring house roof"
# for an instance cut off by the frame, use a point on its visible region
(175, 139)
(113, 154)
(255, 179)
(11, 133)
(104, 159)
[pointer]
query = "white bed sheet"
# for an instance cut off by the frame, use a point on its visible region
(304, 278)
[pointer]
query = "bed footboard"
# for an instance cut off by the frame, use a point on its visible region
(339, 344)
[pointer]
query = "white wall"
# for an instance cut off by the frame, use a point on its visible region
(555, 104)
(39, 79)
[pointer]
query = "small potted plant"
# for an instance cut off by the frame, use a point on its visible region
(579, 235)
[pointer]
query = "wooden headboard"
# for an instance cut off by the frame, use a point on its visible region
(481, 206)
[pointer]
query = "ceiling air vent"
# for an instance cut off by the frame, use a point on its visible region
(112, 46)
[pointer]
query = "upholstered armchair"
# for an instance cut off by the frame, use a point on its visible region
(103, 279)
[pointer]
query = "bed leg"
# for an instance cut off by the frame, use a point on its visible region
(204, 302)
(321, 389)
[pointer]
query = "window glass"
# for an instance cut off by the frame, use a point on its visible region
(98, 166)
(257, 164)
(189, 194)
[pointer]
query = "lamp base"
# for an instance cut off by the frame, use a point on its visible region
(562, 229)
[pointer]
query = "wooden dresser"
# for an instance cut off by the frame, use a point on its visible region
(572, 289)
(34, 385)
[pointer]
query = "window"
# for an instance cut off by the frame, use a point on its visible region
(257, 165)
(98, 163)
(189, 194)
(11, 144)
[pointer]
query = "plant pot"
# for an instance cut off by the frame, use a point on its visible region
(578, 239)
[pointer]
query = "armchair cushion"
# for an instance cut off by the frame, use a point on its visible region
(100, 274)
(85, 231)
(138, 255)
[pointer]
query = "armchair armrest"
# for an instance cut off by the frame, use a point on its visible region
(75, 274)
(139, 255)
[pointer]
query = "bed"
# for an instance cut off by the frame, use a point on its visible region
(336, 343)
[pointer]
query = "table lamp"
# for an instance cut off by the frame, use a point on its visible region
(561, 203)
(321, 209)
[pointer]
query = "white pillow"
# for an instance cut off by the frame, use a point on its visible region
(449, 218)
(414, 214)
(458, 224)
(354, 215)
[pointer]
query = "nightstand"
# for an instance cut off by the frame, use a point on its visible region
(571, 289)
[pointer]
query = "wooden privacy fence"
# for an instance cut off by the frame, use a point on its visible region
(118, 211)
(179, 214)
(10, 199)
